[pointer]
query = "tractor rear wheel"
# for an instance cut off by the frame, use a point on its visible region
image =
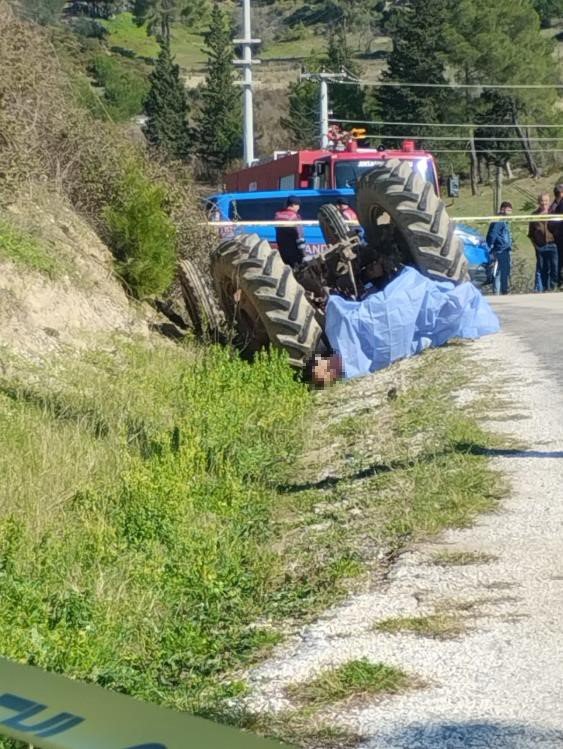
(419, 216)
(263, 301)
(203, 310)
(333, 226)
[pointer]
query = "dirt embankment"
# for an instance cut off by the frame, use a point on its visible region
(73, 298)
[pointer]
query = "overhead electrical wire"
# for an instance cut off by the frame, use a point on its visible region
(399, 84)
(441, 124)
(457, 137)
(498, 150)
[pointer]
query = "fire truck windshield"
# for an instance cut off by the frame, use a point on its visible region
(346, 173)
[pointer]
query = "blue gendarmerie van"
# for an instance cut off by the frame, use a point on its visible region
(262, 206)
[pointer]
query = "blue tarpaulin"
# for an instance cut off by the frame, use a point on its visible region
(412, 313)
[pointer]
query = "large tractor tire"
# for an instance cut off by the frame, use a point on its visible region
(419, 216)
(263, 301)
(333, 226)
(204, 312)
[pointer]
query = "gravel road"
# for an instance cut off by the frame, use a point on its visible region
(500, 685)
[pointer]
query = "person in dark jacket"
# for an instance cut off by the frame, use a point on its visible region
(499, 239)
(557, 208)
(290, 239)
(542, 234)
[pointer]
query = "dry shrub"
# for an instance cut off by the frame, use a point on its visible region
(45, 136)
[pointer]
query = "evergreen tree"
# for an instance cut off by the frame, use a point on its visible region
(418, 30)
(219, 120)
(158, 15)
(302, 122)
(346, 101)
(364, 18)
(467, 42)
(43, 12)
(503, 45)
(166, 107)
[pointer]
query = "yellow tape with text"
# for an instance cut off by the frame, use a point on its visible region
(51, 711)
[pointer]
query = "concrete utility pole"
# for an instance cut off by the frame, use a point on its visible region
(247, 62)
(324, 78)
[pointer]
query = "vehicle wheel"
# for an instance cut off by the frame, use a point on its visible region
(204, 312)
(333, 226)
(419, 216)
(263, 301)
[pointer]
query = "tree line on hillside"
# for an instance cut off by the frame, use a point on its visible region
(216, 133)
(440, 42)
(205, 123)
(444, 43)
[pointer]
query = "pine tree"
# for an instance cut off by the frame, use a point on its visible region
(503, 45)
(158, 15)
(346, 101)
(219, 120)
(302, 121)
(418, 30)
(166, 107)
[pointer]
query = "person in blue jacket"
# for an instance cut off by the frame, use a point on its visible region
(499, 239)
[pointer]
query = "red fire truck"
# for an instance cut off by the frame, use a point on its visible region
(326, 169)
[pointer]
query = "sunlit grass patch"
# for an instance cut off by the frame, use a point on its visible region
(441, 625)
(357, 678)
(461, 558)
(25, 249)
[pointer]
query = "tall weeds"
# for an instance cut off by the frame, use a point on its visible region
(135, 539)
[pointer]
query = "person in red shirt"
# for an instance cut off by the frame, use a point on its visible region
(290, 239)
(345, 210)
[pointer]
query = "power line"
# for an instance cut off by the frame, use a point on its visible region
(498, 150)
(439, 124)
(400, 84)
(455, 137)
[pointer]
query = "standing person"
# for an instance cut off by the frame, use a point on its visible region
(346, 210)
(557, 208)
(542, 234)
(290, 239)
(499, 239)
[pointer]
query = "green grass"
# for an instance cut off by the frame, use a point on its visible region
(123, 32)
(440, 626)
(399, 471)
(153, 511)
(23, 248)
(298, 49)
(300, 727)
(461, 558)
(135, 541)
(357, 678)
(186, 46)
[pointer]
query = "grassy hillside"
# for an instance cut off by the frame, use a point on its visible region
(187, 46)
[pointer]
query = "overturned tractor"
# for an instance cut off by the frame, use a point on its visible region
(265, 302)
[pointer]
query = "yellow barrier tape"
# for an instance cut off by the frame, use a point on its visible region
(460, 219)
(51, 711)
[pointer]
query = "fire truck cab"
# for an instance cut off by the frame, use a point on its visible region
(324, 169)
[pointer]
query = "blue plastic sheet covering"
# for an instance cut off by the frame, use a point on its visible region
(411, 314)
